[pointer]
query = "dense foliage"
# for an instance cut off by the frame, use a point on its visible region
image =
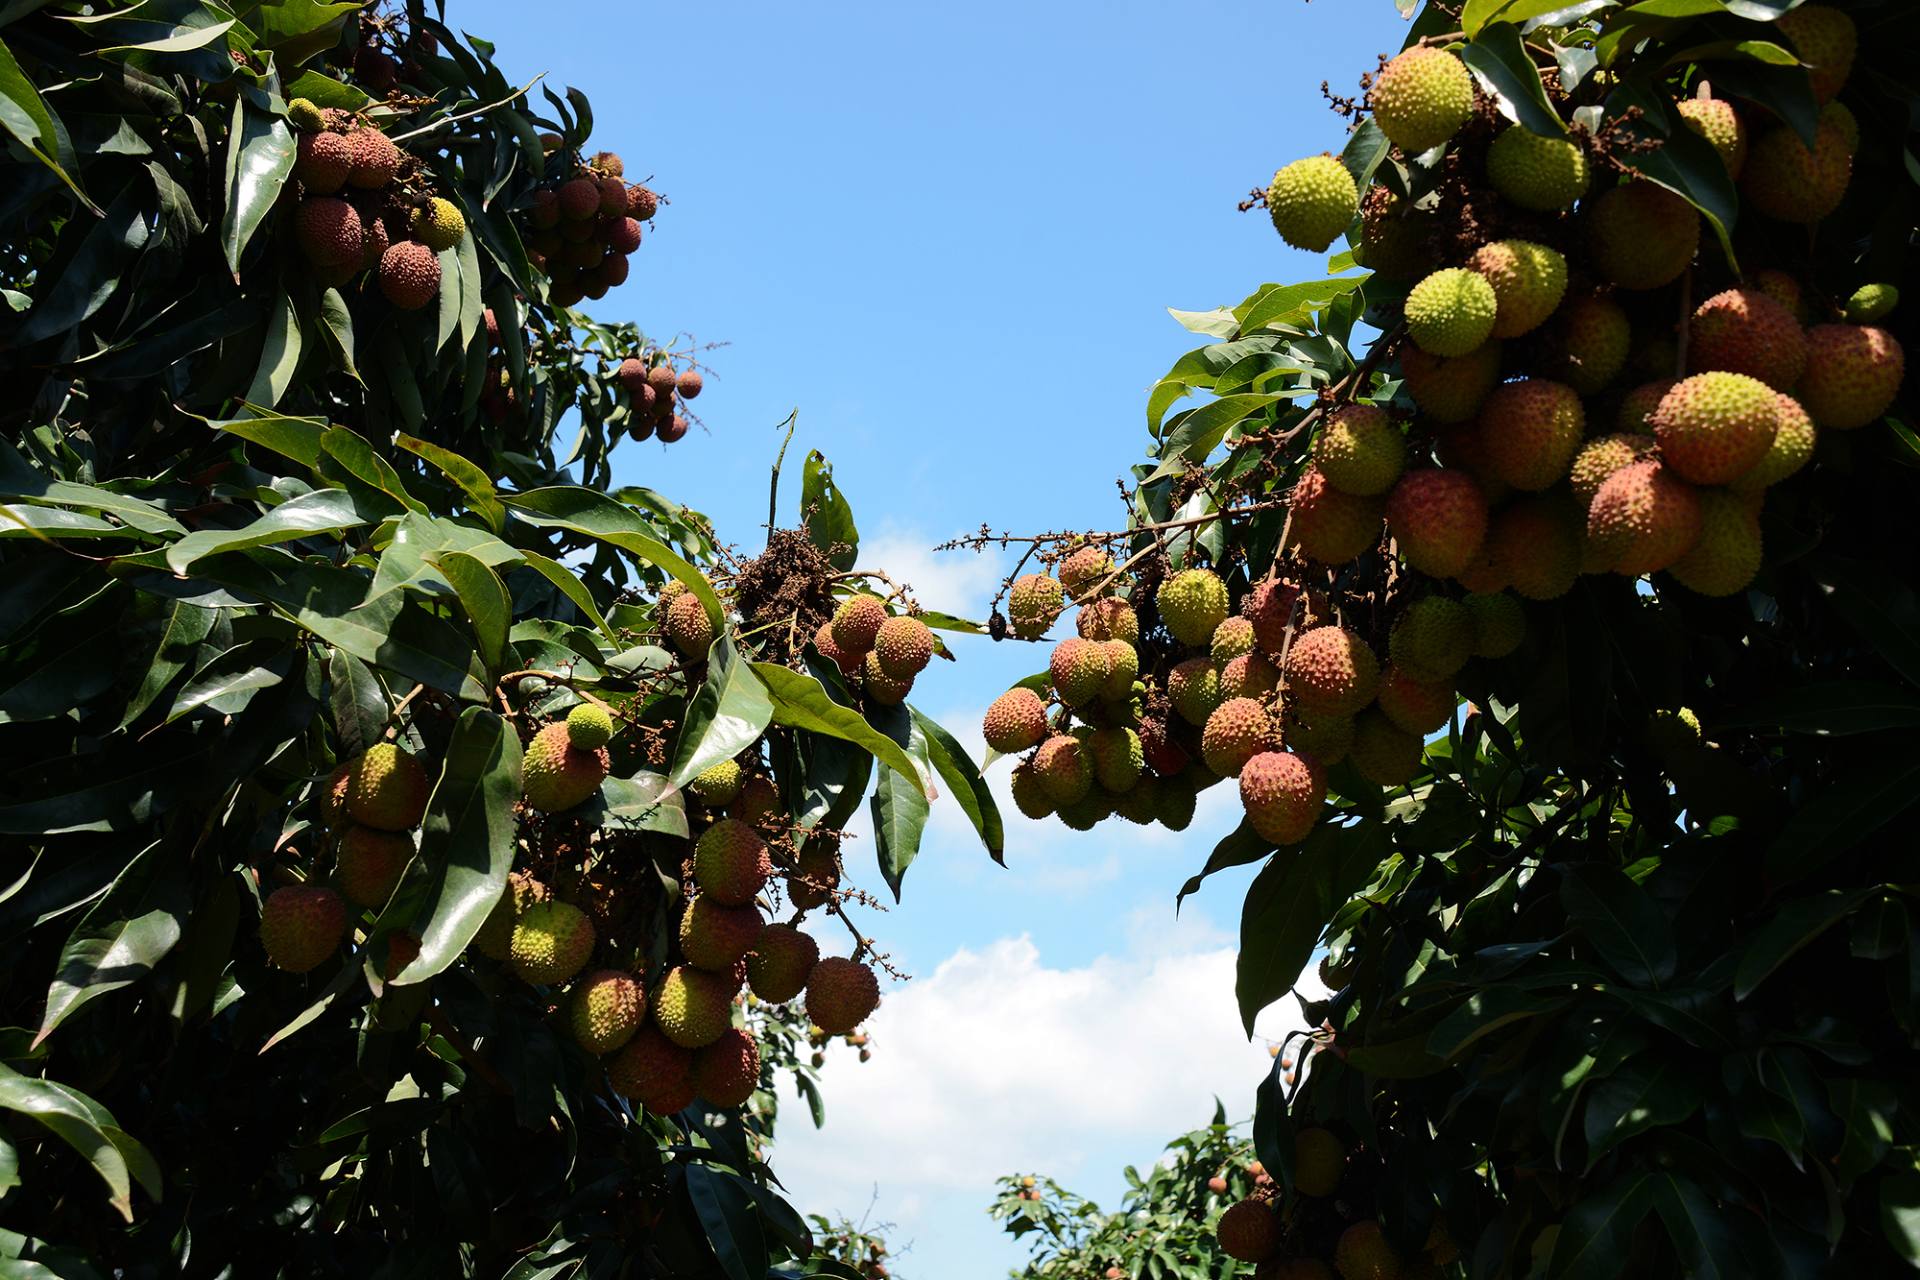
(1548, 588)
(359, 738)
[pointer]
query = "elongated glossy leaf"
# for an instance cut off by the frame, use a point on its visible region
(260, 153)
(727, 1214)
(322, 511)
(801, 702)
(93, 273)
(19, 480)
(573, 589)
(484, 597)
(297, 438)
(1639, 1096)
(467, 839)
(727, 715)
(968, 788)
(83, 1125)
(645, 802)
(470, 478)
(1289, 905)
(597, 516)
(1847, 812)
(186, 626)
(827, 514)
(1795, 925)
(1628, 929)
(1201, 431)
(118, 942)
(342, 450)
(1834, 708)
(25, 115)
(1504, 68)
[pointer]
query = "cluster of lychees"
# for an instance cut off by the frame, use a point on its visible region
(582, 226)
(882, 652)
(1328, 1221)
(654, 389)
(670, 1037)
(363, 207)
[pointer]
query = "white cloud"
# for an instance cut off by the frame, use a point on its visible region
(997, 1063)
(956, 582)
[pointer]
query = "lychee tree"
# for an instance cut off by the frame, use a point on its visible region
(397, 812)
(1540, 579)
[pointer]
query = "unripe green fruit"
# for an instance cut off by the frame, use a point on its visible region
(605, 1009)
(1192, 603)
(1450, 389)
(1360, 450)
(1311, 202)
(1064, 770)
(1727, 555)
(387, 789)
(1194, 688)
(496, 934)
(693, 1007)
(1591, 341)
(1319, 1160)
(1528, 282)
(1123, 669)
(1499, 624)
(304, 114)
(1433, 638)
(551, 942)
(1363, 1253)
(1531, 430)
(687, 627)
(439, 224)
(1421, 98)
(1788, 181)
(1792, 448)
(1413, 704)
(1872, 302)
(589, 726)
(1826, 39)
(1717, 122)
(1451, 312)
(1116, 757)
(1536, 172)
(731, 863)
(1084, 568)
(1108, 619)
(1321, 736)
(556, 775)
(1030, 795)
(1233, 638)
(716, 786)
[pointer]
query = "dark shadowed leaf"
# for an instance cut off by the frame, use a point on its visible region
(724, 718)
(1627, 927)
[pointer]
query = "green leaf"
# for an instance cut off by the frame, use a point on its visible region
(726, 1213)
(1867, 1110)
(1877, 602)
(573, 589)
(827, 514)
(488, 607)
(86, 1126)
(1201, 431)
(970, 791)
(1833, 708)
(1702, 1235)
(1794, 926)
(359, 702)
(20, 480)
(1628, 929)
(112, 946)
(467, 839)
(92, 274)
(344, 451)
(1483, 1013)
(1832, 821)
(1676, 157)
(470, 478)
(595, 515)
(801, 702)
(645, 802)
(187, 625)
(296, 438)
(1597, 1232)
(1900, 1215)
(321, 511)
(1645, 1093)
(1290, 903)
(1505, 70)
(25, 115)
(1291, 304)
(279, 356)
(900, 811)
(260, 154)
(727, 715)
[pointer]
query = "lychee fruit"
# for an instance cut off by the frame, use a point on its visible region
(857, 623)
(1360, 450)
(1450, 390)
(1192, 603)
(1238, 730)
(1727, 555)
(1853, 373)
(1421, 98)
(1033, 603)
(903, 646)
(1642, 236)
(841, 994)
(604, 1009)
(687, 626)
(1382, 751)
(387, 789)
(328, 230)
(1535, 171)
(555, 775)
(1531, 429)
(1329, 525)
(731, 863)
(653, 1071)
(1438, 517)
(1452, 311)
(781, 962)
(726, 1072)
(1281, 794)
(693, 1007)
(323, 163)
(370, 863)
(1528, 282)
(409, 275)
(1311, 201)
(1330, 670)
(551, 942)
(1249, 1231)
(301, 925)
(1016, 720)
(1643, 518)
(1714, 427)
(1715, 120)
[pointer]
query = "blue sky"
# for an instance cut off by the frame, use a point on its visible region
(948, 236)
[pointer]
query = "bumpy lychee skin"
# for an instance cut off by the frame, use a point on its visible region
(1537, 172)
(1311, 202)
(1531, 430)
(1643, 519)
(1599, 458)
(1450, 390)
(1063, 768)
(857, 623)
(520, 892)
(694, 1006)
(1282, 795)
(687, 627)
(1382, 751)
(653, 1071)
(1123, 668)
(623, 237)
(305, 115)
(1032, 605)
(1826, 40)
(888, 691)
(1792, 448)
(551, 942)
(642, 203)
(1715, 120)
(439, 224)
(1788, 181)
(1433, 638)
(1080, 571)
(1528, 282)
(1421, 99)
(1438, 517)
(604, 1009)
(1249, 1231)
(1642, 236)
(731, 863)
(1853, 373)
(1322, 738)
(1238, 730)
(1638, 405)
(1194, 688)
(1231, 639)
(726, 1072)
(1499, 624)
(816, 873)
(1319, 1159)
(1360, 450)
(323, 163)
(1452, 311)
(375, 159)
(579, 199)
(903, 646)
(781, 962)
(1744, 331)
(1872, 302)
(1270, 607)
(1332, 671)
(1537, 543)
(409, 275)
(1118, 757)
(387, 789)
(301, 925)
(1783, 289)
(1248, 676)
(1192, 603)
(1108, 619)
(1591, 340)
(1016, 720)
(1415, 705)
(716, 937)
(849, 663)
(1030, 793)
(1363, 1253)
(1079, 670)
(329, 232)
(589, 726)
(555, 775)
(1714, 427)
(370, 863)
(1727, 555)
(841, 995)
(1329, 525)
(1393, 240)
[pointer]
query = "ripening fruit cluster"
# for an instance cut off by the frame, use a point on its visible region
(879, 652)
(582, 227)
(654, 390)
(1269, 692)
(364, 206)
(1575, 427)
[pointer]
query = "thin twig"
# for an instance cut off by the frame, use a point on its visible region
(468, 115)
